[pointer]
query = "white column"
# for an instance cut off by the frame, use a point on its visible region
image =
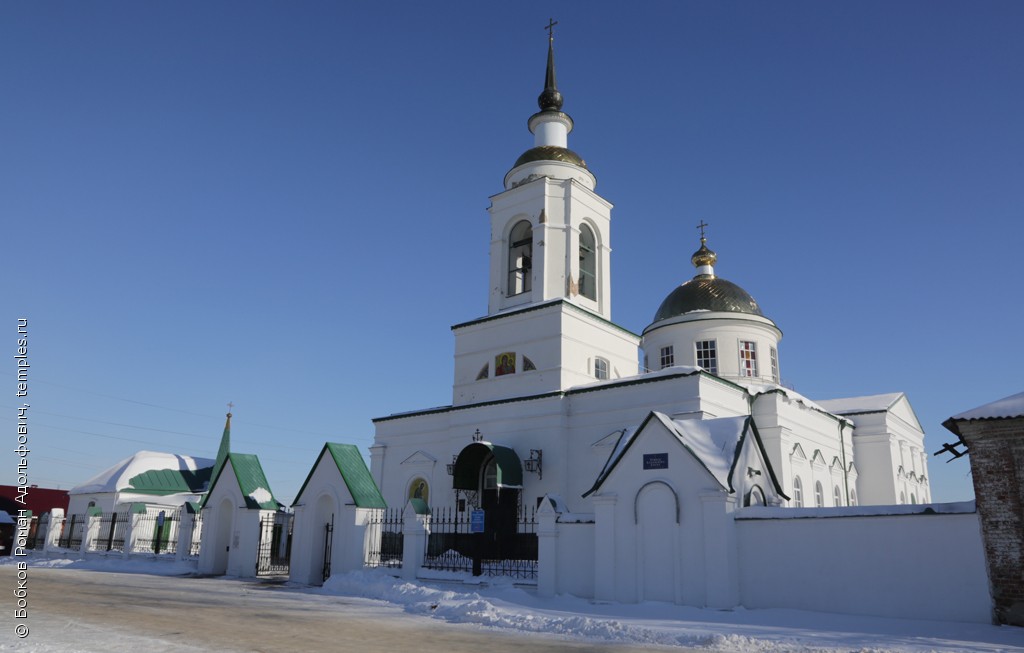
(53, 529)
(185, 521)
(604, 547)
(415, 529)
(90, 531)
(721, 580)
(547, 549)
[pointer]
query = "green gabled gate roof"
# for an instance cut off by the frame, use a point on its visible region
(354, 472)
(250, 478)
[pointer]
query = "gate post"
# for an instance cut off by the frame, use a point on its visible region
(415, 529)
(547, 548)
(91, 529)
(186, 519)
(55, 527)
(132, 530)
(604, 546)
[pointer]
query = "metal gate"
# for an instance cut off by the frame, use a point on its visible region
(387, 542)
(275, 545)
(328, 544)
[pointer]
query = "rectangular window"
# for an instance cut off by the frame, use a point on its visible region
(748, 358)
(668, 357)
(775, 365)
(707, 356)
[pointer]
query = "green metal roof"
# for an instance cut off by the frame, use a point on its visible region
(354, 472)
(471, 459)
(161, 482)
(251, 479)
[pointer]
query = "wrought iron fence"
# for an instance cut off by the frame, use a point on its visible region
(156, 532)
(37, 532)
(387, 540)
(197, 534)
(71, 532)
(110, 536)
(452, 546)
(275, 545)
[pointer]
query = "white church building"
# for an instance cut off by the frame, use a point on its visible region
(650, 446)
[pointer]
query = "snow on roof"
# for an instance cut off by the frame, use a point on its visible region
(120, 476)
(866, 404)
(1005, 408)
(756, 389)
(714, 442)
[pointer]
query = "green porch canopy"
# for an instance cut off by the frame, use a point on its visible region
(471, 459)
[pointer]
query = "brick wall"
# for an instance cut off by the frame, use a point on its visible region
(997, 466)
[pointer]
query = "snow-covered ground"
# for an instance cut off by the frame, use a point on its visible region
(500, 604)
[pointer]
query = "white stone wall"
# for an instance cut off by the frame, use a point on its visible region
(913, 566)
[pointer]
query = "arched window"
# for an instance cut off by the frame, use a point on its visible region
(913, 499)
(588, 263)
(600, 368)
(819, 495)
(837, 496)
(520, 258)
(853, 497)
(903, 498)
(798, 492)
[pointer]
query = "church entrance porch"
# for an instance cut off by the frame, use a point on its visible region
(488, 531)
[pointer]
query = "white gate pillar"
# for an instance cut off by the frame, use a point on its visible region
(604, 547)
(53, 530)
(547, 548)
(91, 528)
(415, 530)
(722, 581)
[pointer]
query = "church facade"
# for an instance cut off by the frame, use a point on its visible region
(547, 371)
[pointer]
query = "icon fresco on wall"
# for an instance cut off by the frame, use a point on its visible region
(505, 363)
(419, 490)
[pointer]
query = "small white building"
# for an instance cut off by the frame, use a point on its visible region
(332, 511)
(161, 481)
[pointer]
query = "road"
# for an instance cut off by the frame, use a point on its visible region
(74, 610)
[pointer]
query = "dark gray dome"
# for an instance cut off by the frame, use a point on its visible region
(707, 293)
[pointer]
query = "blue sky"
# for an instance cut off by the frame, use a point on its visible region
(283, 205)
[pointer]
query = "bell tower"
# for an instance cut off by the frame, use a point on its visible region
(548, 324)
(549, 229)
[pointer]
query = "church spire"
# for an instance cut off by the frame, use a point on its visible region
(550, 99)
(225, 446)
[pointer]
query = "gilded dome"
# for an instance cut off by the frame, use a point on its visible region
(550, 153)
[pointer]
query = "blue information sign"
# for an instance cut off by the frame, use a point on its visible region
(476, 521)
(656, 461)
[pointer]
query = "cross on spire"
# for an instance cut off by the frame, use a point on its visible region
(551, 28)
(701, 226)
(230, 406)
